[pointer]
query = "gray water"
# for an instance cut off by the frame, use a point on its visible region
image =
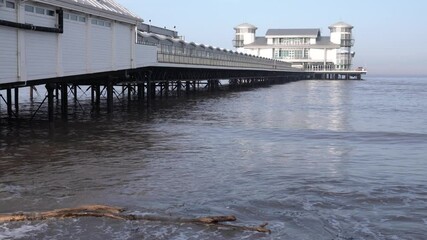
(314, 159)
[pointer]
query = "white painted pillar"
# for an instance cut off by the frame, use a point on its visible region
(133, 56)
(325, 58)
(21, 63)
(88, 45)
(113, 47)
(59, 54)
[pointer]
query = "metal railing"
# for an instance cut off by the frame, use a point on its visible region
(209, 56)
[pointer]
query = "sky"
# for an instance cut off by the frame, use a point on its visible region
(390, 36)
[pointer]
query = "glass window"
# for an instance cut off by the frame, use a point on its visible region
(10, 5)
(94, 21)
(107, 24)
(82, 19)
(39, 10)
(29, 8)
(66, 16)
(73, 17)
(50, 12)
(101, 23)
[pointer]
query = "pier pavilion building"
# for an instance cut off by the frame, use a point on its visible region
(46, 39)
(303, 48)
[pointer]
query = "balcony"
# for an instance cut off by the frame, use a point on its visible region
(238, 43)
(347, 42)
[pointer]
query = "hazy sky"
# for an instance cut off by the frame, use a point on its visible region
(390, 36)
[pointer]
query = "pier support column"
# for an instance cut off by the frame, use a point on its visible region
(9, 102)
(178, 88)
(187, 87)
(97, 95)
(140, 89)
(75, 92)
(110, 96)
(167, 89)
(194, 86)
(64, 100)
(50, 97)
(57, 92)
(151, 92)
(92, 94)
(17, 101)
(31, 93)
(129, 93)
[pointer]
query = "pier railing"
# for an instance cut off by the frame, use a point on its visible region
(208, 56)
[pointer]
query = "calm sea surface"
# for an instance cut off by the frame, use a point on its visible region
(315, 159)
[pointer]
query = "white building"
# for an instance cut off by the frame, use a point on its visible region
(41, 39)
(304, 48)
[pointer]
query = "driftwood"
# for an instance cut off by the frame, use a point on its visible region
(117, 213)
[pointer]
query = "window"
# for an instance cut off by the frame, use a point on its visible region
(10, 4)
(1, 2)
(74, 17)
(50, 13)
(29, 8)
(100, 22)
(40, 10)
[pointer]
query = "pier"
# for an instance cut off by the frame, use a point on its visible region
(65, 47)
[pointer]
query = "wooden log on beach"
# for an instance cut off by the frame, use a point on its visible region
(117, 213)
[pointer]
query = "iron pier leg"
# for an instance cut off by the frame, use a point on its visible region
(97, 95)
(167, 89)
(50, 97)
(16, 101)
(110, 96)
(140, 88)
(75, 92)
(143, 90)
(9, 102)
(92, 94)
(149, 92)
(64, 100)
(31, 93)
(129, 93)
(57, 92)
(187, 87)
(178, 88)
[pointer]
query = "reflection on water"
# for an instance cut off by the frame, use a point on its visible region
(315, 159)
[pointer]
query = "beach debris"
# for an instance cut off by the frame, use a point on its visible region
(117, 213)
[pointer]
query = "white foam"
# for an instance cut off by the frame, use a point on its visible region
(24, 231)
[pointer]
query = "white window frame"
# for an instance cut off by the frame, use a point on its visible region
(10, 2)
(38, 9)
(34, 8)
(101, 22)
(74, 17)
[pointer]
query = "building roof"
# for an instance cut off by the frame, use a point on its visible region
(294, 32)
(341, 24)
(104, 8)
(325, 42)
(246, 25)
(259, 41)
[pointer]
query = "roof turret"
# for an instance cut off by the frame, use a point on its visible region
(340, 25)
(246, 25)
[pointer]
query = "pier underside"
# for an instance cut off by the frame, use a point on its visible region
(144, 85)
